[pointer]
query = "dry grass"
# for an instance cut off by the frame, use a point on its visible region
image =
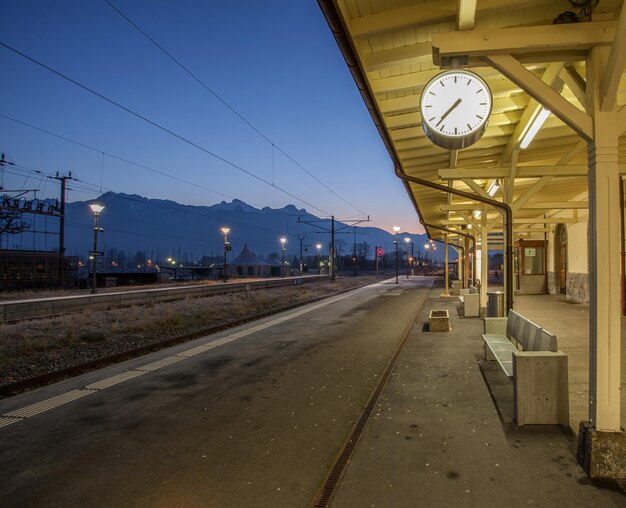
(30, 348)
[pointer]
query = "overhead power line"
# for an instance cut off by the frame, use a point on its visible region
(231, 108)
(159, 126)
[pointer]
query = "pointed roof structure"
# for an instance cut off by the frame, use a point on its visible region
(246, 258)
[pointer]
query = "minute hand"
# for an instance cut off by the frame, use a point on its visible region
(458, 101)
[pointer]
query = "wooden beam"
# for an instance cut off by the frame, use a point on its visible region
(551, 78)
(524, 198)
(563, 205)
(621, 120)
(614, 67)
(521, 172)
(417, 15)
(412, 102)
(565, 38)
(404, 55)
(578, 120)
(546, 220)
(466, 14)
(476, 188)
(575, 83)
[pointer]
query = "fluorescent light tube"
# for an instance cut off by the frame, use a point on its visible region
(534, 127)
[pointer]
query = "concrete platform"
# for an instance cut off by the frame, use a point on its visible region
(444, 434)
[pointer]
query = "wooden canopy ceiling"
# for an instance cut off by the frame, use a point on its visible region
(394, 47)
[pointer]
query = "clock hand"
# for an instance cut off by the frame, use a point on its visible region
(458, 101)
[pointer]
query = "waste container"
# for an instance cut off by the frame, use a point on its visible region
(495, 304)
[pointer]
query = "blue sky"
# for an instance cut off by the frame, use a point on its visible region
(274, 62)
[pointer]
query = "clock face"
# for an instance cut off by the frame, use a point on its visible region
(455, 108)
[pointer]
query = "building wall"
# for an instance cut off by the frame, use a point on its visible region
(577, 283)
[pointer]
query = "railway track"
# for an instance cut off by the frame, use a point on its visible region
(58, 375)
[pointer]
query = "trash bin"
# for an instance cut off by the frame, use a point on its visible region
(495, 304)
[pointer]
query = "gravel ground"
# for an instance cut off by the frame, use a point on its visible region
(35, 347)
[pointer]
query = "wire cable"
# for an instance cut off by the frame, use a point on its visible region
(232, 109)
(159, 126)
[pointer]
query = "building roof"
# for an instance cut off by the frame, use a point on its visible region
(246, 258)
(394, 47)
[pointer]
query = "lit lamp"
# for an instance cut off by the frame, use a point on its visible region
(227, 247)
(319, 261)
(534, 127)
(396, 230)
(96, 209)
(283, 241)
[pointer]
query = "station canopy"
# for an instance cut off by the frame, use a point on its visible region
(395, 47)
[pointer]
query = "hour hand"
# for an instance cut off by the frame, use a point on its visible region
(458, 101)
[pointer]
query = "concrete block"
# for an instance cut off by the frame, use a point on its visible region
(540, 388)
(456, 287)
(601, 454)
(439, 321)
(471, 305)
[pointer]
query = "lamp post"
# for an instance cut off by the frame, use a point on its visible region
(406, 242)
(426, 247)
(396, 230)
(227, 247)
(319, 261)
(96, 209)
(283, 241)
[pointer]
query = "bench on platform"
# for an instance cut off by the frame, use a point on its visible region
(470, 299)
(528, 355)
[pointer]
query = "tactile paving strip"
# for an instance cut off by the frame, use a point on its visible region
(51, 403)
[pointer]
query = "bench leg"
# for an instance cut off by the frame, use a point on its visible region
(489, 356)
(540, 386)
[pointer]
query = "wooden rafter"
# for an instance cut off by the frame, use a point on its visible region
(614, 66)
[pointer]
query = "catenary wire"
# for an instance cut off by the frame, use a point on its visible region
(232, 109)
(159, 126)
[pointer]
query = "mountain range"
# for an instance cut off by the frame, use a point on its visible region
(163, 228)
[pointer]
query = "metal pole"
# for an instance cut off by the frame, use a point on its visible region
(225, 267)
(282, 263)
(95, 249)
(332, 248)
(397, 261)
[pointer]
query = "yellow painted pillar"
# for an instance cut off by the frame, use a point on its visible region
(484, 258)
(604, 255)
(445, 267)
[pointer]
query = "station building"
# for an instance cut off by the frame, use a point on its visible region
(531, 162)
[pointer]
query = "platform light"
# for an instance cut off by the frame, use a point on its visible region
(534, 127)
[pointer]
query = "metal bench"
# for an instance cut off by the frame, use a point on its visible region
(470, 299)
(528, 356)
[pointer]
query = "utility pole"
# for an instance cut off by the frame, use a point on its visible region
(301, 237)
(332, 248)
(63, 179)
(332, 236)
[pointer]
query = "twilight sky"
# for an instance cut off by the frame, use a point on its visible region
(275, 63)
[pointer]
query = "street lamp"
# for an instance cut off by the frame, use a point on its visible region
(319, 261)
(406, 241)
(397, 230)
(96, 209)
(283, 241)
(225, 230)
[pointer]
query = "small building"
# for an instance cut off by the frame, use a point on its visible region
(246, 264)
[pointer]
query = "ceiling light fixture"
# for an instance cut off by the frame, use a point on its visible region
(534, 127)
